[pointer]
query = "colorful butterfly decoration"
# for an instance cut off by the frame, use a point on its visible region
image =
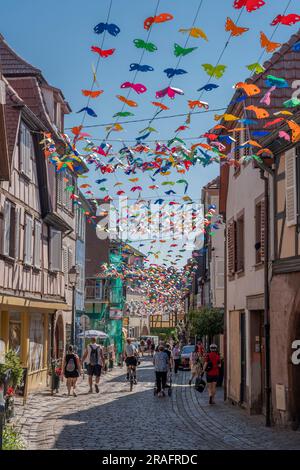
(235, 30)
(208, 87)
(181, 51)
(140, 68)
(89, 111)
(256, 67)
(268, 45)
(170, 92)
(123, 114)
(162, 18)
(260, 113)
(130, 103)
(137, 87)
(248, 88)
(112, 29)
(212, 71)
(198, 104)
(286, 20)
(103, 53)
(148, 46)
(160, 105)
(195, 33)
(251, 5)
(172, 72)
(91, 93)
(295, 128)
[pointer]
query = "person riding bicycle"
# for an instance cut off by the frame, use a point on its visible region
(131, 354)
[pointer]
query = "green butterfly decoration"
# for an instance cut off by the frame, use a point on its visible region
(178, 50)
(216, 72)
(148, 46)
(123, 114)
(256, 67)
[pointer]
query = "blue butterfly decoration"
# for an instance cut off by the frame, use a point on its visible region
(101, 181)
(88, 110)
(142, 137)
(208, 87)
(112, 29)
(260, 133)
(240, 99)
(225, 138)
(296, 47)
(172, 72)
(140, 68)
(170, 192)
(159, 201)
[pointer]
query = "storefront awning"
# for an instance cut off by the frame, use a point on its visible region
(6, 301)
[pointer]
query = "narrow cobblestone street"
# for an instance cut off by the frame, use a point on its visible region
(119, 419)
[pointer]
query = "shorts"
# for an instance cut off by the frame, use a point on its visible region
(211, 378)
(94, 370)
(131, 361)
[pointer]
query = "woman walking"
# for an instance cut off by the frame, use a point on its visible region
(196, 362)
(72, 369)
(212, 367)
(161, 363)
(176, 357)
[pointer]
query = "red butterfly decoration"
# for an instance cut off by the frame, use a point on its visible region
(287, 20)
(101, 52)
(251, 5)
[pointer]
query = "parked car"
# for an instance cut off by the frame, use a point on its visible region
(185, 357)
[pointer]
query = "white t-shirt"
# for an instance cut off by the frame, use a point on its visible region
(130, 350)
(93, 346)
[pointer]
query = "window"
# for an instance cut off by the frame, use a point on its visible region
(36, 341)
(259, 231)
(55, 250)
(10, 232)
(219, 273)
(57, 117)
(64, 182)
(15, 331)
(240, 261)
(28, 239)
(67, 262)
(37, 244)
(95, 289)
(26, 150)
(80, 223)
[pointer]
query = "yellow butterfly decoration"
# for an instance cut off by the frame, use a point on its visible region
(226, 117)
(284, 112)
(195, 33)
(216, 72)
(134, 180)
(166, 173)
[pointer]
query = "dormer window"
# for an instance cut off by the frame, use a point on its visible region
(26, 150)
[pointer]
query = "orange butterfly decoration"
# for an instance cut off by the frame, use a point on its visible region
(130, 103)
(91, 93)
(234, 29)
(197, 103)
(85, 185)
(248, 88)
(160, 105)
(76, 130)
(295, 128)
(260, 113)
(162, 18)
(267, 44)
(265, 151)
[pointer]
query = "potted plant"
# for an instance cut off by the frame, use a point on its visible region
(11, 373)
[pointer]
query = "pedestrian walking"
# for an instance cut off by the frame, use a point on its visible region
(152, 348)
(94, 358)
(71, 369)
(176, 357)
(212, 367)
(200, 347)
(161, 366)
(142, 343)
(149, 343)
(196, 362)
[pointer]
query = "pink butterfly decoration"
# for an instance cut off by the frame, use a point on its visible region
(266, 99)
(170, 91)
(284, 135)
(137, 87)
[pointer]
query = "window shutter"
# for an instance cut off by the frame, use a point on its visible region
(17, 235)
(37, 243)
(7, 211)
(240, 251)
(26, 150)
(219, 274)
(66, 265)
(70, 258)
(55, 250)
(231, 235)
(28, 240)
(262, 230)
(290, 187)
(59, 188)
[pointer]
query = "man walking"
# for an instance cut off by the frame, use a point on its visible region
(94, 358)
(161, 363)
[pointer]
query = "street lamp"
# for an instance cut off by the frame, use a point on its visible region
(73, 276)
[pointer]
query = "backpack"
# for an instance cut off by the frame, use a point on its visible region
(71, 366)
(94, 356)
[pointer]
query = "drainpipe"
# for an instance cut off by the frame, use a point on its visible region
(225, 312)
(266, 303)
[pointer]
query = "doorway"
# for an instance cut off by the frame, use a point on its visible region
(243, 392)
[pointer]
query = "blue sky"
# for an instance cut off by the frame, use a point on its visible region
(56, 36)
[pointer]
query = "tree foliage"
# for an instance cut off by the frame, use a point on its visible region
(206, 321)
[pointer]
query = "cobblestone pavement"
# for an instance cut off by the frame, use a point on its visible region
(119, 419)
